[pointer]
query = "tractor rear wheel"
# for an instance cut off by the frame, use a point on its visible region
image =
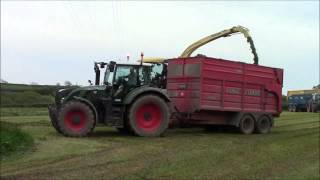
(149, 116)
(75, 119)
(263, 125)
(246, 125)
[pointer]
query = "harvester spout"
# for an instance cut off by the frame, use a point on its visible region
(225, 33)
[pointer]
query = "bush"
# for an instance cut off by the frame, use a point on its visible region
(22, 95)
(13, 141)
(25, 99)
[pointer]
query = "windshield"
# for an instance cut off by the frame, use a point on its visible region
(108, 76)
(127, 73)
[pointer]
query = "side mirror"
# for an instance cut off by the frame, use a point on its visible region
(89, 81)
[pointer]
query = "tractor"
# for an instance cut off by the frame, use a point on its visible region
(131, 98)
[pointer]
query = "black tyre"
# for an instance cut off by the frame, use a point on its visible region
(54, 123)
(149, 116)
(75, 119)
(294, 109)
(309, 108)
(263, 125)
(314, 108)
(246, 125)
(53, 119)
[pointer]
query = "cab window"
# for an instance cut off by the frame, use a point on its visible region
(127, 74)
(144, 75)
(156, 70)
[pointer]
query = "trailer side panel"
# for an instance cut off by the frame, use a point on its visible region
(203, 83)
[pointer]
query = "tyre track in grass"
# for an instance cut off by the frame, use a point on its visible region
(134, 159)
(287, 152)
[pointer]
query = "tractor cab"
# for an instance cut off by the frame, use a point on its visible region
(131, 76)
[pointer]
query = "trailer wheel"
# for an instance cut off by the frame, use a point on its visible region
(76, 119)
(263, 125)
(246, 125)
(149, 116)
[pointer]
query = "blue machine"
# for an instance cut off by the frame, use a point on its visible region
(298, 102)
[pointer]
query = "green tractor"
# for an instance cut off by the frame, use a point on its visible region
(131, 98)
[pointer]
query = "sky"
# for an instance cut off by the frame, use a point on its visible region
(55, 41)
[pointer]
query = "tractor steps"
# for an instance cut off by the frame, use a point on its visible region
(115, 117)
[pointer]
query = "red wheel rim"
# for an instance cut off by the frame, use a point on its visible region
(148, 117)
(75, 120)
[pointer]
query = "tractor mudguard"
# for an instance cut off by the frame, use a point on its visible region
(87, 102)
(75, 92)
(145, 90)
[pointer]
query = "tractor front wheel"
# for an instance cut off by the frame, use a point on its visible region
(149, 116)
(294, 109)
(53, 118)
(75, 119)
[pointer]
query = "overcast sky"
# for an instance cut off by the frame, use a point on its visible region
(50, 42)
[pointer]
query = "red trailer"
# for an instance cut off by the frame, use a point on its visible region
(216, 91)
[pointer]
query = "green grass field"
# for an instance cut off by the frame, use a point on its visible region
(290, 151)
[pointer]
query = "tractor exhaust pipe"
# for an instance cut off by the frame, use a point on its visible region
(97, 71)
